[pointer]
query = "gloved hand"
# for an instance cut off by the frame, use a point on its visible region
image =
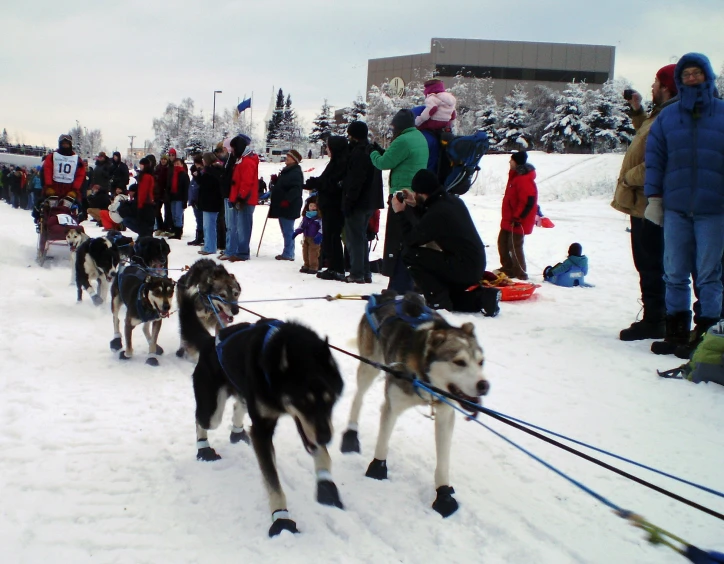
(655, 211)
(318, 239)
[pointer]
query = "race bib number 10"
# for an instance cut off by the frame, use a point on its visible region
(64, 168)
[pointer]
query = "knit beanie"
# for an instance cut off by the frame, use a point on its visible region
(404, 119)
(666, 78)
(434, 86)
(295, 155)
(575, 250)
(357, 130)
(425, 182)
(520, 158)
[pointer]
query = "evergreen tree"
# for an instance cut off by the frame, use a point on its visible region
(5, 138)
(543, 105)
(514, 121)
(197, 140)
(720, 81)
(323, 124)
(356, 112)
(568, 130)
(288, 127)
(273, 133)
(610, 124)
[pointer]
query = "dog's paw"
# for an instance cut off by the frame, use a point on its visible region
(282, 524)
(377, 470)
(180, 352)
(207, 454)
(116, 344)
(97, 300)
(240, 437)
(327, 494)
(123, 356)
(445, 503)
(350, 442)
(159, 350)
(152, 361)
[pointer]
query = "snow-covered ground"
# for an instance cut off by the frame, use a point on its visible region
(98, 457)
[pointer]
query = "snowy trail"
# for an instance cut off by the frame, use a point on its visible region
(98, 458)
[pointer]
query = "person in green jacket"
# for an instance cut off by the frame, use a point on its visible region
(407, 154)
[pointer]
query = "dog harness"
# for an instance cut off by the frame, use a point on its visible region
(373, 307)
(145, 311)
(272, 328)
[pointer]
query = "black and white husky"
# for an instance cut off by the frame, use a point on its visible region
(148, 301)
(270, 368)
(402, 330)
(96, 261)
(214, 292)
(75, 236)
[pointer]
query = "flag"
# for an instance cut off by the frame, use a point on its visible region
(244, 105)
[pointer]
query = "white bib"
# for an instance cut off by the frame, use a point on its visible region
(64, 168)
(64, 219)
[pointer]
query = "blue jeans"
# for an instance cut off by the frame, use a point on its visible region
(177, 212)
(209, 223)
(287, 227)
(241, 222)
(231, 238)
(693, 244)
(199, 215)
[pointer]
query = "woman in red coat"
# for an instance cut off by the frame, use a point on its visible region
(519, 204)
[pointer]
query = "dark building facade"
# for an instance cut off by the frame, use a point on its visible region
(507, 62)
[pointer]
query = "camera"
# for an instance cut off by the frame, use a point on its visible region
(400, 197)
(628, 94)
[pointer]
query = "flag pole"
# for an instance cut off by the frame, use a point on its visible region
(251, 117)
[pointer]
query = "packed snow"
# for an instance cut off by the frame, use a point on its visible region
(98, 456)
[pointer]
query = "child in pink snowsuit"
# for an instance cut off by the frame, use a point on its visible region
(439, 110)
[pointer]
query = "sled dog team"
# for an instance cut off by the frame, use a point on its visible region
(273, 368)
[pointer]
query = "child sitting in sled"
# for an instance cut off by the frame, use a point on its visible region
(571, 272)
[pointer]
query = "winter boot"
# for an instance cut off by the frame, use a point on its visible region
(199, 239)
(177, 232)
(678, 326)
(684, 351)
(650, 327)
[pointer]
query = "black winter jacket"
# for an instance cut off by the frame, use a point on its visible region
(119, 175)
(445, 219)
(286, 195)
(209, 181)
(362, 188)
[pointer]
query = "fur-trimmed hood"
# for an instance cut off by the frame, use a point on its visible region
(701, 94)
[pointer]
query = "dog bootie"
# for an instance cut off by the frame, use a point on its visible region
(350, 441)
(97, 300)
(207, 454)
(240, 437)
(377, 470)
(116, 344)
(152, 361)
(327, 494)
(445, 504)
(282, 522)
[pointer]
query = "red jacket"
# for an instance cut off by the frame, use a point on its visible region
(245, 180)
(52, 188)
(520, 201)
(144, 191)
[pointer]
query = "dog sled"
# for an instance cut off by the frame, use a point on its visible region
(55, 217)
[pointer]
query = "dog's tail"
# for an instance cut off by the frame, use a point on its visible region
(192, 330)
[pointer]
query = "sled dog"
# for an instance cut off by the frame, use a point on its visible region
(96, 260)
(75, 236)
(270, 368)
(214, 291)
(401, 329)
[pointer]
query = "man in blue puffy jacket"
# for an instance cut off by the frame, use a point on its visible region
(685, 191)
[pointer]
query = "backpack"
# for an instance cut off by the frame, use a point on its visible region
(464, 154)
(707, 360)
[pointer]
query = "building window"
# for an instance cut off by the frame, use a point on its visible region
(513, 73)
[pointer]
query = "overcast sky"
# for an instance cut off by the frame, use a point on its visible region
(114, 65)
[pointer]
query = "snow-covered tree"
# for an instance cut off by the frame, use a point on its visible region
(197, 140)
(720, 81)
(4, 138)
(87, 143)
(272, 130)
(288, 130)
(609, 123)
(323, 124)
(357, 111)
(380, 109)
(514, 121)
(569, 131)
(543, 103)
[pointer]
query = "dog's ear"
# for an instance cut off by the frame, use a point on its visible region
(437, 338)
(468, 328)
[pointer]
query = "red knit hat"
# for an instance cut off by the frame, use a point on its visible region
(666, 78)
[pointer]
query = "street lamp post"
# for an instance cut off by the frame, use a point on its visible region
(213, 114)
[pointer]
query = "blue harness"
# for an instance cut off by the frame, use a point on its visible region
(272, 325)
(145, 312)
(371, 314)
